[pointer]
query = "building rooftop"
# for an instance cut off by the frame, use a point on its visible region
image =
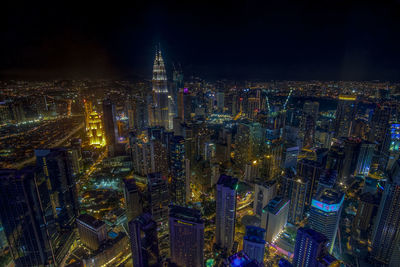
(276, 204)
(255, 234)
(90, 221)
(227, 181)
(329, 196)
(186, 214)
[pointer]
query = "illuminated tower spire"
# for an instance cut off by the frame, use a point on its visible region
(160, 92)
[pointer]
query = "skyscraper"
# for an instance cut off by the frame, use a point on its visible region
(345, 115)
(310, 245)
(254, 243)
(55, 166)
(144, 241)
(158, 199)
(160, 92)
(133, 203)
(326, 208)
(27, 224)
(110, 125)
(179, 183)
(226, 211)
(386, 232)
(186, 233)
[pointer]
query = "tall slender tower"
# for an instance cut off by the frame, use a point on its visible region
(160, 92)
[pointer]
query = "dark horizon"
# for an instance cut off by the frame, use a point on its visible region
(242, 41)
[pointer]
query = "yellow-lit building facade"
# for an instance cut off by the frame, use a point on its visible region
(95, 130)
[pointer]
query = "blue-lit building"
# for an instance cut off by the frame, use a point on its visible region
(179, 183)
(186, 233)
(310, 245)
(226, 211)
(325, 211)
(254, 243)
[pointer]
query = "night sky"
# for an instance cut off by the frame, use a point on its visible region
(328, 40)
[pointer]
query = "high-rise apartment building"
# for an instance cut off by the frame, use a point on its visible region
(110, 125)
(310, 246)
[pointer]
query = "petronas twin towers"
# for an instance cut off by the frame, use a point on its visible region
(159, 113)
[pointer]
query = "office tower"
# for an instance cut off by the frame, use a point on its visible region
(110, 125)
(308, 122)
(297, 199)
(158, 198)
(92, 232)
(311, 171)
(326, 208)
(364, 158)
(144, 241)
(133, 202)
(263, 193)
(310, 245)
(386, 232)
(367, 207)
(27, 224)
(226, 211)
(54, 165)
(351, 151)
(274, 218)
(345, 115)
(254, 243)
(95, 130)
(160, 92)
(186, 233)
(177, 153)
